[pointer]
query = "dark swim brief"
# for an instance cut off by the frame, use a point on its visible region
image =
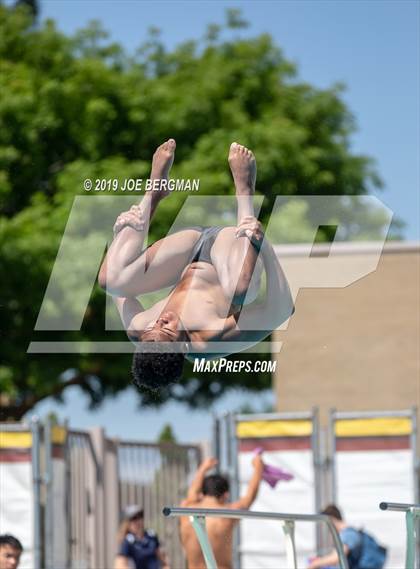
(202, 249)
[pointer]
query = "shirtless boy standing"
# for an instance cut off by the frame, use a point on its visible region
(212, 491)
(214, 273)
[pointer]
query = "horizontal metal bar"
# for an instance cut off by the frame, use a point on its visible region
(243, 418)
(371, 414)
(127, 347)
(238, 514)
(272, 553)
(397, 506)
(14, 427)
(346, 248)
(157, 446)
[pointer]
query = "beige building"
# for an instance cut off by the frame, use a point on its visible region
(352, 347)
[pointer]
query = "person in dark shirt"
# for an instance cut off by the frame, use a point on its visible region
(138, 548)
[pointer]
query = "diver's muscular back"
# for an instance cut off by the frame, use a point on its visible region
(219, 531)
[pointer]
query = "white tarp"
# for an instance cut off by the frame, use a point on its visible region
(366, 478)
(262, 542)
(17, 507)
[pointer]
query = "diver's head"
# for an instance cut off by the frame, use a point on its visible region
(167, 328)
(216, 486)
(162, 363)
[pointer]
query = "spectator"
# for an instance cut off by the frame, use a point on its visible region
(361, 549)
(212, 491)
(138, 548)
(10, 552)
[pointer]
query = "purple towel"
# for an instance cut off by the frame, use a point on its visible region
(273, 474)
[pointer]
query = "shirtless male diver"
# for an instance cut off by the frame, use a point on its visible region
(214, 273)
(213, 492)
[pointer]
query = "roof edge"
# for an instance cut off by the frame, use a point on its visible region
(347, 248)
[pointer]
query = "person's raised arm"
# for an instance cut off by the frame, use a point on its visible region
(196, 485)
(248, 498)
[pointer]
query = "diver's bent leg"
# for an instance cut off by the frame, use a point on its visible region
(158, 267)
(127, 270)
(238, 267)
(235, 259)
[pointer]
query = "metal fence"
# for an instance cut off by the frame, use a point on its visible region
(80, 482)
(325, 451)
(83, 475)
(155, 475)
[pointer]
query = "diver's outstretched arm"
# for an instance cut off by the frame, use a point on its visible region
(246, 501)
(256, 321)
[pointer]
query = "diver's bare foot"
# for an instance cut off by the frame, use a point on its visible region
(163, 159)
(244, 169)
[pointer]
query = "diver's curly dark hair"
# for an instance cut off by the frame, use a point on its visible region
(157, 367)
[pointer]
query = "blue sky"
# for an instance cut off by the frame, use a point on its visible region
(371, 46)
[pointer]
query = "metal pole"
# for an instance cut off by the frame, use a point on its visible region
(397, 506)
(412, 514)
(237, 557)
(338, 544)
(49, 496)
(317, 465)
(333, 450)
(199, 525)
(36, 478)
(372, 414)
(216, 438)
(302, 415)
(416, 466)
(413, 441)
(410, 551)
(289, 533)
(68, 495)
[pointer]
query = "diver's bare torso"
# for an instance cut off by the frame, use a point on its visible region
(202, 305)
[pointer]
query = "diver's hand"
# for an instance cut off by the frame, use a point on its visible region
(208, 464)
(133, 218)
(257, 463)
(251, 228)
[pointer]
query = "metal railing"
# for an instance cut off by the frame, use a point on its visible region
(412, 519)
(198, 520)
(226, 446)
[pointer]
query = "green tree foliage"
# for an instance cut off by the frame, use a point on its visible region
(167, 435)
(79, 107)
